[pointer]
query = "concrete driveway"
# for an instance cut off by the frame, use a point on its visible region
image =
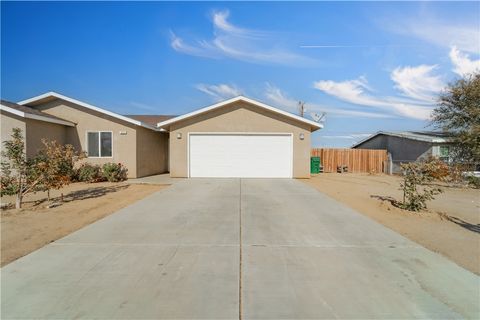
(230, 249)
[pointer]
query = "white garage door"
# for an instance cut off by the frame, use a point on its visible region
(240, 155)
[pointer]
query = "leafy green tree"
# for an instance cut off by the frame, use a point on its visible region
(458, 113)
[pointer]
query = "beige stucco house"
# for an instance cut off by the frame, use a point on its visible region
(239, 137)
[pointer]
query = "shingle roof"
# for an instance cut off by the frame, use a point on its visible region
(151, 119)
(31, 111)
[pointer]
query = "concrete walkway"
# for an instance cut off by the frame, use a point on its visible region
(230, 249)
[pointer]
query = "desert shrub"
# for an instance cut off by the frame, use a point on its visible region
(436, 169)
(474, 182)
(51, 168)
(89, 173)
(114, 172)
(416, 191)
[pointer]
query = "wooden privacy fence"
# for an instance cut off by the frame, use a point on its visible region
(357, 160)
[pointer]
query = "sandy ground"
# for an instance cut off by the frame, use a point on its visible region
(451, 226)
(32, 227)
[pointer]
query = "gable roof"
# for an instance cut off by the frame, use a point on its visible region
(314, 125)
(31, 113)
(426, 136)
(53, 95)
(151, 119)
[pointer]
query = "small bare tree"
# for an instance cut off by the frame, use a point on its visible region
(51, 168)
(415, 187)
(17, 174)
(54, 165)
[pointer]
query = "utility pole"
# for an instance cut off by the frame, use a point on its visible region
(301, 108)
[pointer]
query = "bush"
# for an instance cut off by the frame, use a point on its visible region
(436, 169)
(89, 173)
(473, 182)
(114, 172)
(417, 174)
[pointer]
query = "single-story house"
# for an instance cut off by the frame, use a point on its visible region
(408, 146)
(238, 137)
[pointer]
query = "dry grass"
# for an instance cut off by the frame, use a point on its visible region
(450, 227)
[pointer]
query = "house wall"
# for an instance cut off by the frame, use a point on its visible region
(401, 149)
(38, 130)
(152, 152)
(9, 121)
(124, 146)
(239, 117)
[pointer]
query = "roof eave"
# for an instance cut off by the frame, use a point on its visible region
(56, 95)
(35, 116)
(166, 124)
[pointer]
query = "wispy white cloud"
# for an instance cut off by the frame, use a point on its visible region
(418, 82)
(238, 43)
(358, 92)
(219, 91)
(443, 33)
(462, 63)
(279, 98)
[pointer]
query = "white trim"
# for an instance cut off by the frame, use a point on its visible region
(99, 143)
(35, 116)
(236, 99)
(241, 133)
(88, 106)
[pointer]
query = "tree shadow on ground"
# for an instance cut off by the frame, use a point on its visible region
(91, 193)
(392, 200)
(462, 223)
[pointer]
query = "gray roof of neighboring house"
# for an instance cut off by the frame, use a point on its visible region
(426, 136)
(35, 114)
(151, 119)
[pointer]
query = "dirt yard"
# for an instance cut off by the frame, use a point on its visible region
(32, 227)
(451, 226)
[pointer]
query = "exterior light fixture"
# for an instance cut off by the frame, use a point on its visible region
(302, 136)
(179, 135)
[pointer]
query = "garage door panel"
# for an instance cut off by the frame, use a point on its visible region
(240, 155)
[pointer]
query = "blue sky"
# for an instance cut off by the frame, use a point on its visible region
(369, 65)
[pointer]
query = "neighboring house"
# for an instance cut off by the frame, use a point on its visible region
(239, 137)
(408, 146)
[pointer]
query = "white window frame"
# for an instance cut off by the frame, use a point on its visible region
(99, 143)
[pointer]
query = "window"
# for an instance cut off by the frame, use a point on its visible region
(444, 153)
(99, 144)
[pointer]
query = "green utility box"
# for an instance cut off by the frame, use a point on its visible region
(314, 164)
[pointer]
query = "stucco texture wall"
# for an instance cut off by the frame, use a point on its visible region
(152, 152)
(38, 130)
(123, 145)
(9, 121)
(240, 117)
(33, 132)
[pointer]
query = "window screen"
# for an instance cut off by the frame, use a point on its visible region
(93, 144)
(106, 144)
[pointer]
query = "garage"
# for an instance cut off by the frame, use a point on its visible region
(230, 155)
(239, 138)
